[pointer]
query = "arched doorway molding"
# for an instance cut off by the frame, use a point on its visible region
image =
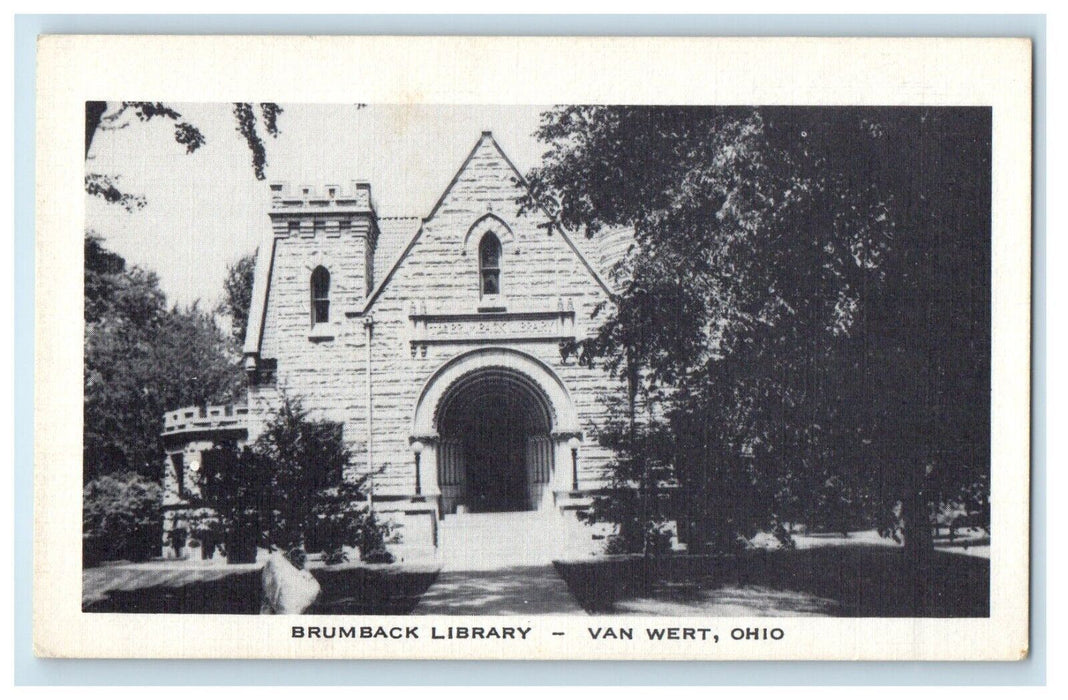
(501, 372)
(525, 368)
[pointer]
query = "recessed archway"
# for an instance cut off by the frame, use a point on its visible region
(495, 418)
(493, 429)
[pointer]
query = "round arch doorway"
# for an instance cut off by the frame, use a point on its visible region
(495, 446)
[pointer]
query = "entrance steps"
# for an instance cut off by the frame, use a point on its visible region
(483, 541)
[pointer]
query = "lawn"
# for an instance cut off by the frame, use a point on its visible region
(347, 589)
(860, 580)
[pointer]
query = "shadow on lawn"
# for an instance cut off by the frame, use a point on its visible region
(346, 590)
(845, 581)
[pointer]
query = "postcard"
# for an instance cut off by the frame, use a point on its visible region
(532, 348)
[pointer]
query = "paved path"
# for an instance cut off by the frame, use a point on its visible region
(517, 590)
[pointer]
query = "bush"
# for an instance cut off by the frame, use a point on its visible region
(617, 544)
(283, 491)
(177, 538)
(240, 546)
(335, 556)
(121, 518)
(234, 484)
(341, 520)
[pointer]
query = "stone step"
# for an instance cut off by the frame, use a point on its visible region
(479, 541)
(508, 516)
(480, 522)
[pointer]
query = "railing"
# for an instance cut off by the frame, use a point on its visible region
(194, 418)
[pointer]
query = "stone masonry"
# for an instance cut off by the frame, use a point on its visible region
(408, 323)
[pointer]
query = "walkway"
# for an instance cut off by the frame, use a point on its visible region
(515, 590)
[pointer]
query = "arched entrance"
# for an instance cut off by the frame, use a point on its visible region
(494, 420)
(494, 429)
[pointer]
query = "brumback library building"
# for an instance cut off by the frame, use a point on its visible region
(435, 342)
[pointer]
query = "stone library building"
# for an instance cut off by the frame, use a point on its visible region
(435, 341)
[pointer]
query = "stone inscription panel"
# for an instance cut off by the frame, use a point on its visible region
(431, 329)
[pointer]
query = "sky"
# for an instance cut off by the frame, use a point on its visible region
(206, 209)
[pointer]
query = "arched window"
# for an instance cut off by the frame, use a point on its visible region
(489, 265)
(320, 295)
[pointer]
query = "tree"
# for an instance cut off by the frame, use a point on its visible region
(142, 359)
(305, 457)
(287, 490)
(770, 246)
(114, 116)
(235, 483)
(918, 379)
(238, 296)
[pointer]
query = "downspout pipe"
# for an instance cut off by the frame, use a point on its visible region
(369, 324)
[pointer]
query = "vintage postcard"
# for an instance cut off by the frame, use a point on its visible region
(539, 348)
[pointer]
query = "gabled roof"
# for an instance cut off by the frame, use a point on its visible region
(487, 137)
(398, 235)
(394, 235)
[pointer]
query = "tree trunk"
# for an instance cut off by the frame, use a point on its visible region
(916, 524)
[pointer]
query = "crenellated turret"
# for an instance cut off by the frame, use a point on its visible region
(333, 215)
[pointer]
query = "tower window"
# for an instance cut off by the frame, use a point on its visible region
(489, 265)
(320, 295)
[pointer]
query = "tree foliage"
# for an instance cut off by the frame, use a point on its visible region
(794, 272)
(120, 518)
(107, 116)
(237, 296)
(141, 359)
(288, 491)
(305, 457)
(245, 116)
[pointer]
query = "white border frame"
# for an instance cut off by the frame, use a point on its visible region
(462, 70)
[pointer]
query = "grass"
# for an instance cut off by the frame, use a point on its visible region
(846, 581)
(347, 589)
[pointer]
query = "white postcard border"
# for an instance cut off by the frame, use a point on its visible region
(465, 70)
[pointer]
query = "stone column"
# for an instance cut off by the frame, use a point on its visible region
(561, 480)
(428, 469)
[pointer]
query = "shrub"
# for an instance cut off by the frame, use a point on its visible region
(302, 460)
(378, 556)
(616, 544)
(286, 491)
(177, 538)
(235, 484)
(340, 520)
(120, 518)
(335, 556)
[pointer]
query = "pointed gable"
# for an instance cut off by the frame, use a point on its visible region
(485, 187)
(484, 173)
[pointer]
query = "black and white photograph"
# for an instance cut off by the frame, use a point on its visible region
(681, 360)
(609, 363)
